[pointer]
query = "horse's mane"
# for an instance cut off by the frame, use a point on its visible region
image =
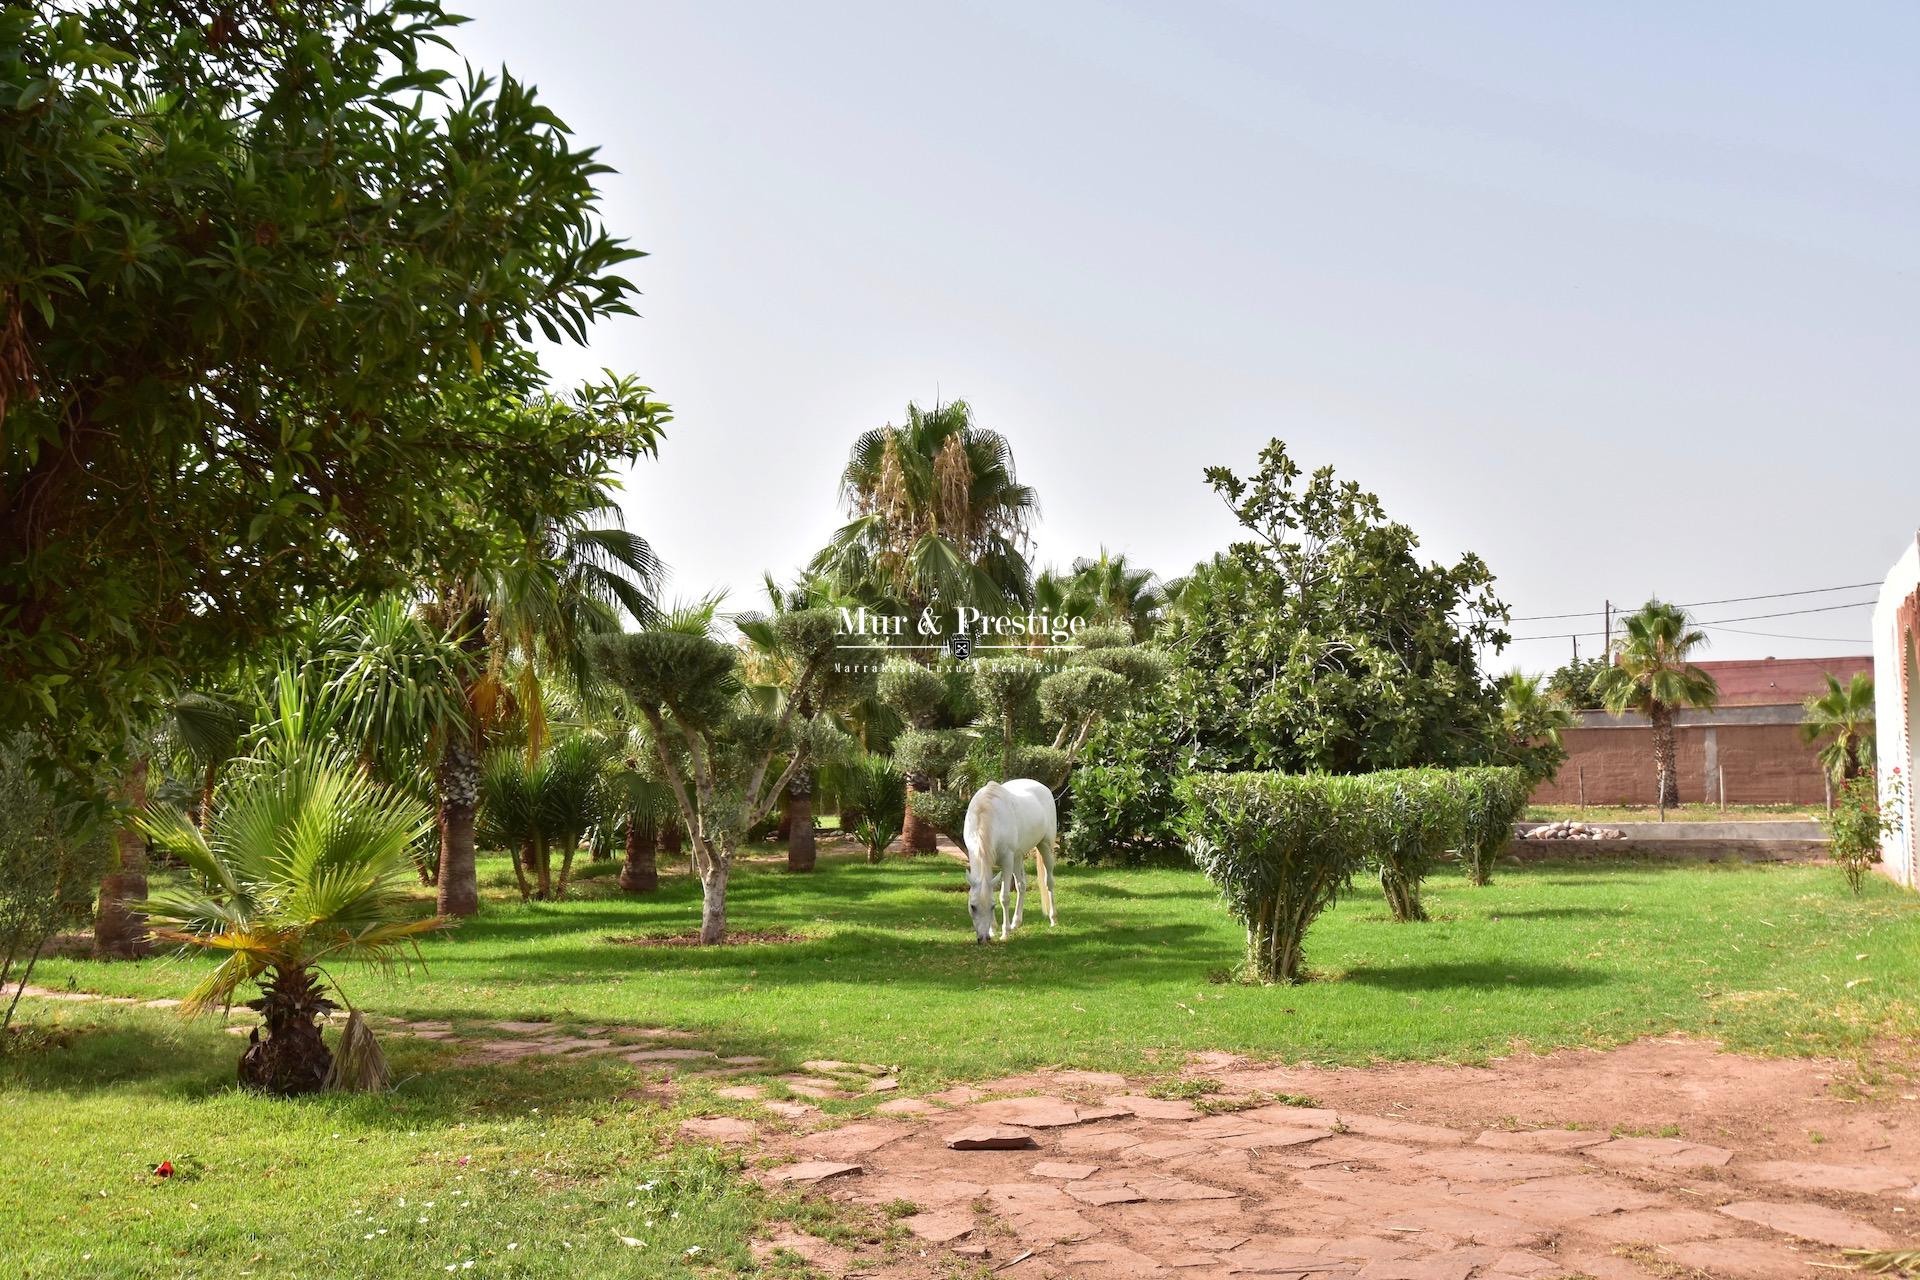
(984, 830)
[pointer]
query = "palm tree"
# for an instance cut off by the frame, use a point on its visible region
(572, 581)
(119, 930)
(939, 519)
(1116, 593)
(1531, 717)
(305, 862)
(1845, 714)
(939, 516)
(1651, 674)
(544, 806)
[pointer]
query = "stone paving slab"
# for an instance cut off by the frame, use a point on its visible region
(1120, 1183)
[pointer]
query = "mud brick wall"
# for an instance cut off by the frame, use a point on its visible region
(1762, 764)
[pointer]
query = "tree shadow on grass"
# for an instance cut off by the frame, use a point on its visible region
(1556, 913)
(1487, 975)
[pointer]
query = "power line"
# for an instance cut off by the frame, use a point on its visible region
(1751, 617)
(1695, 604)
(1781, 635)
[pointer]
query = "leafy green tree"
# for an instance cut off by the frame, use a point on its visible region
(1573, 682)
(1321, 641)
(305, 862)
(48, 867)
(716, 746)
(269, 285)
(1652, 674)
(1843, 715)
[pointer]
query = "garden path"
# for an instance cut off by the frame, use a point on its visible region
(1661, 1160)
(1686, 1163)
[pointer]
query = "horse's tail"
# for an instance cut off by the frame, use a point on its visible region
(1045, 868)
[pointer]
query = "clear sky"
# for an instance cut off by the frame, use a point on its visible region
(1622, 296)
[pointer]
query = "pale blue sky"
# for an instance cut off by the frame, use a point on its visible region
(1622, 296)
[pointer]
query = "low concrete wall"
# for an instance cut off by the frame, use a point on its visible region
(1717, 832)
(1702, 841)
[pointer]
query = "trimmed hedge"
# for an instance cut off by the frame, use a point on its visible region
(1282, 847)
(1280, 851)
(1493, 800)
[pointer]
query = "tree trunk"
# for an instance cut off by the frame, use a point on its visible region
(120, 933)
(459, 778)
(1665, 773)
(639, 874)
(916, 833)
(713, 897)
(800, 845)
(206, 794)
(293, 1059)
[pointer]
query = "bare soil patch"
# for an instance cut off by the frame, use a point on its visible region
(734, 938)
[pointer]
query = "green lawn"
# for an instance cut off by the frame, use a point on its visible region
(1767, 958)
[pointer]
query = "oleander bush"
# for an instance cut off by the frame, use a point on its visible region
(1411, 820)
(1492, 800)
(1281, 848)
(1861, 819)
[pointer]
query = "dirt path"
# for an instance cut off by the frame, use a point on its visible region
(1686, 1163)
(1661, 1160)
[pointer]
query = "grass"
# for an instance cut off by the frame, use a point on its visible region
(1601, 813)
(1766, 958)
(530, 1172)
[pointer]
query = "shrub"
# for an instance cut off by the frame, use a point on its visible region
(1860, 820)
(874, 790)
(47, 871)
(1281, 848)
(1491, 799)
(1121, 796)
(1412, 819)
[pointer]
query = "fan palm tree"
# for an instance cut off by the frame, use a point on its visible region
(1652, 674)
(572, 581)
(304, 863)
(939, 516)
(1844, 715)
(939, 520)
(1116, 593)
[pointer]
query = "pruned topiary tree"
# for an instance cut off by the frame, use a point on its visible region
(1411, 819)
(1491, 800)
(1279, 851)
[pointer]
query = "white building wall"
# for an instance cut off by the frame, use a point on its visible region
(1896, 709)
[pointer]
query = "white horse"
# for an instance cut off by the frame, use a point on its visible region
(1004, 821)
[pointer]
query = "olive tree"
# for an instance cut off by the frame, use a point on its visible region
(715, 746)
